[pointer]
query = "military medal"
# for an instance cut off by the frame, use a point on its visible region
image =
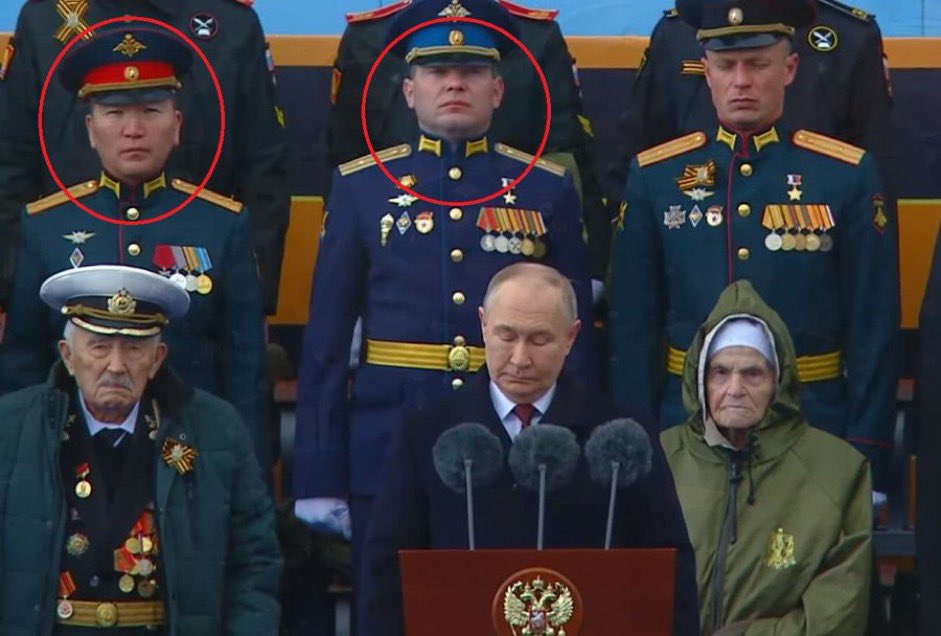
(773, 241)
(826, 243)
(515, 245)
(800, 242)
(695, 216)
(486, 221)
(78, 237)
(408, 180)
(424, 222)
(540, 249)
(696, 178)
(64, 609)
(190, 283)
(178, 455)
(132, 544)
(487, 243)
(403, 200)
(83, 487)
(126, 583)
(145, 567)
(501, 244)
(714, 215)
(787, 242)
(813, 242)
(385, 228)
(147, 588)
(674, 217)
(527, 247)
(77, 544)
(203, 284)
(72, 13)
(509, 197)
(76, 257)
(404, 222)
(794, 181)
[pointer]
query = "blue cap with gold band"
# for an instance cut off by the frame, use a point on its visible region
(125, 65)
(115, 300)
(723, 25)
(457, 43)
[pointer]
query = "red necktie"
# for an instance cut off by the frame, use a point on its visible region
(525, 412)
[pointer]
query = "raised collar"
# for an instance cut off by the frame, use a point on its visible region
(427, 143)
(730, 137)
(148, 188)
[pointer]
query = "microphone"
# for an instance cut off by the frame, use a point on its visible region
(544, 458)
(618, 454)
(468, 456)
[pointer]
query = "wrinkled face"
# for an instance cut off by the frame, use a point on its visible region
(740, 385)
(748, 85)
(111, 371)
(527, 336)
(453, 102)
(134, 141)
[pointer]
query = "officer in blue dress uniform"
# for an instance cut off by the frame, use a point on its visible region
(800, 215)
(129, 76)
(417, 271)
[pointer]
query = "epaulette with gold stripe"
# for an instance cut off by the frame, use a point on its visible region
(395, 152)
(525, 12)
(671, 148)
(823, 145)
(859, 14)
(215, 198)
(524, 157)
(376, 14)
(53, 200)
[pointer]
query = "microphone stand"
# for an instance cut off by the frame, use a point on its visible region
(615, 467)
(468, 463)
(542, 506)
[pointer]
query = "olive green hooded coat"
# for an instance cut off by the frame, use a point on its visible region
(782, 527)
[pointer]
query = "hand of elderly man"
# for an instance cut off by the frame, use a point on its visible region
(326, 514)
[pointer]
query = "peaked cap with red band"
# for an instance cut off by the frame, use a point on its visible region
(128, 64)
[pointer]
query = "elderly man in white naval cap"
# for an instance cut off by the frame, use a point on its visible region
(129, 501)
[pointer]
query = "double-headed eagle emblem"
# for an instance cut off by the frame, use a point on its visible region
(537, 608)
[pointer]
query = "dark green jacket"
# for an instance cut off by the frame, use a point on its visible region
(219, 550)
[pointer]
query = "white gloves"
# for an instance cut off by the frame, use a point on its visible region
(326, 514)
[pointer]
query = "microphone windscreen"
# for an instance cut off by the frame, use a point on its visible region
(554, 446)
(468, 441)
(623, 441)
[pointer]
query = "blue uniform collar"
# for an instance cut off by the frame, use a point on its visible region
(124, 192)
(437, 147)
(732, 138)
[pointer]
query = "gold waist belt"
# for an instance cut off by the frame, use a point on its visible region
(826, 366)
(436, 357)
(117, 614)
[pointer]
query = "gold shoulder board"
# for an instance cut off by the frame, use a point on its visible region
(823, 145)
(670, 13)
(375, 14)
(671, 148)
(47, 203)
(524, 157)
(525, 12)
(859, 14)
(221, 200)
(395, 152)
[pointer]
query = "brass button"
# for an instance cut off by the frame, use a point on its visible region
(133, 249)
(106, 615)
(132, 214)
(457, 383)
(744, 209)
(745, 169)
(458, 298)
(743, 253)
(455, 173)
(457, 256)
(456, 214)
(459, 341)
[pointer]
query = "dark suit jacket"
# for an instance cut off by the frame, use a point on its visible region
(416, 510)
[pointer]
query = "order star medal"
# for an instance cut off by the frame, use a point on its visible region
(674, 217)
(178, 455)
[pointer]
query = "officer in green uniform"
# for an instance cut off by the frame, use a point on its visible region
(252, 165)
(799, 214)
(841, 89)
(205, 248)
(519, 122)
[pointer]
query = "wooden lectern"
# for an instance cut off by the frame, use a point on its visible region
(512, 592)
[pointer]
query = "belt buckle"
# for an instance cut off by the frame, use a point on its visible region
(106, 615)
(459, 356)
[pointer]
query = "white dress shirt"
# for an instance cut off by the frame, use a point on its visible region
(504, 407)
